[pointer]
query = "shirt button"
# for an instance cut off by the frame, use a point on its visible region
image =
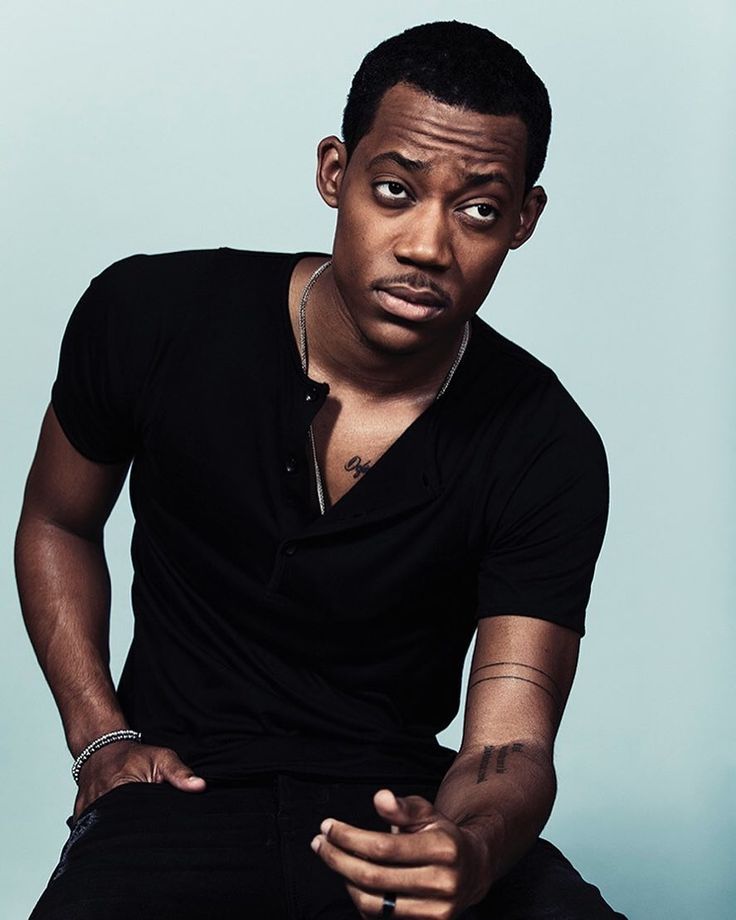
(289, 549)
(312, 392)
(291, 465)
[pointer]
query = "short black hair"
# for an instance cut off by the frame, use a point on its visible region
(460, 64)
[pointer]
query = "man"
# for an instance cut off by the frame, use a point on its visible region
(339, 472)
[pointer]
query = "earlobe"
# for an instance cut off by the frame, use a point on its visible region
(331, 163)
(530, 212)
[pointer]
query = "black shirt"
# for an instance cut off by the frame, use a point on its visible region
(266, 635)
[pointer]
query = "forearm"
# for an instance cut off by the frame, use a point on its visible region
(64, 589)
(503, 792)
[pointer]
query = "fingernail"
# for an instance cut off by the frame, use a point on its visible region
(316, 843)
(326, 825)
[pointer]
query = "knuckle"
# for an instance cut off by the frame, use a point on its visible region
(447, 851)
(370, 877)
(363, 902)
(440, 910)
(381, 848)
(446, 882)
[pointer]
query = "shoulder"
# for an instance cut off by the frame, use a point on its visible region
(168, 273)
(507, 382)
(511, 421)
(158, 296)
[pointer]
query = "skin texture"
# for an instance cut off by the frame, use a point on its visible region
(414, 213)
(428, 228)
(64, 589)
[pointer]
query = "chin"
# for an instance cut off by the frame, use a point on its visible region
(393, 338)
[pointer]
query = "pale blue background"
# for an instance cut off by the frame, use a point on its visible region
(130, 126)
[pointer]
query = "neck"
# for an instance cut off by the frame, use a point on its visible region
(339, 353)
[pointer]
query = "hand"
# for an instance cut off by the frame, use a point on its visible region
(130, 762)
(435, 868)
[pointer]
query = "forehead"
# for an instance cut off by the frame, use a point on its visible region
(436, 133)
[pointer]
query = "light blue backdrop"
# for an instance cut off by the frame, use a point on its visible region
(142, 127)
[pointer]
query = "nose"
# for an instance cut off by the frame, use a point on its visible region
(424, 237)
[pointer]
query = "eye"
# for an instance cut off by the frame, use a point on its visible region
(484, 213)
(392, 191)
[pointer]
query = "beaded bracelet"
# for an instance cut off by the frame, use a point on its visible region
(122, 734)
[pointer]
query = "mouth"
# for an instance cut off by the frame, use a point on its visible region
(410, 303)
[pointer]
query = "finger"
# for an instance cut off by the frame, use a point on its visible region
(407, 812)
(426, 847)
(420, 881)
(172, 770)
(370, 904)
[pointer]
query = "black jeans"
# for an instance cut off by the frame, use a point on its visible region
(148, 850)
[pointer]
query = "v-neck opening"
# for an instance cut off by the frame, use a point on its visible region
(380, 463)
(337, 509)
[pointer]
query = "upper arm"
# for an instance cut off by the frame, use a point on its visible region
(65, 488)
(90, 431)
(546, 516)
(520, 678)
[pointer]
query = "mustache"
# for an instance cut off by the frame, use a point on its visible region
(418, 281)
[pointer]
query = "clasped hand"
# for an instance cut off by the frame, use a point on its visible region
(434, 867)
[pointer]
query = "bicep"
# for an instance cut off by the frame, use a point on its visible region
(67, 489)
(520, 678)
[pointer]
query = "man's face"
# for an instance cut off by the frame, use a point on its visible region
(429, 204)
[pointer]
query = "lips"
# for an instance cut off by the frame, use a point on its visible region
(414, 296)
(410, 304)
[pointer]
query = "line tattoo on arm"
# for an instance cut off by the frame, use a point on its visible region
(556, 696)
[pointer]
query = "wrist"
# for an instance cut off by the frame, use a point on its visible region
(111, 737)
(83, 731)
(485, 836)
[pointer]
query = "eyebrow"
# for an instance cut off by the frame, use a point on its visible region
(471, 179)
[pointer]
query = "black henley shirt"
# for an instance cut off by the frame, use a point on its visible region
(267, 636)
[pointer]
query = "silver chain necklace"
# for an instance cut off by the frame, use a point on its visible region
(303, 352)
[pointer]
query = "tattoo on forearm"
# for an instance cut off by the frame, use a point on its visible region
(501, 757)
(484, 760)
(356, 466)
(513, 677)
(557, 695)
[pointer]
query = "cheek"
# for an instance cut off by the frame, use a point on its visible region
(360, 236)
(480, 274)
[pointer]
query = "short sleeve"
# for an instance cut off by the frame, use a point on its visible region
(541, 553)
(95, 389)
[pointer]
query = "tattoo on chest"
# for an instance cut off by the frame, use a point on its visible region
(486, 759)
(356, 466)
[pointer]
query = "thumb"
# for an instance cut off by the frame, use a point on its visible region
(410, 812)
(180, 775)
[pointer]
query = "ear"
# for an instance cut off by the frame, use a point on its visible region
(332, 160)
(531, 210)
